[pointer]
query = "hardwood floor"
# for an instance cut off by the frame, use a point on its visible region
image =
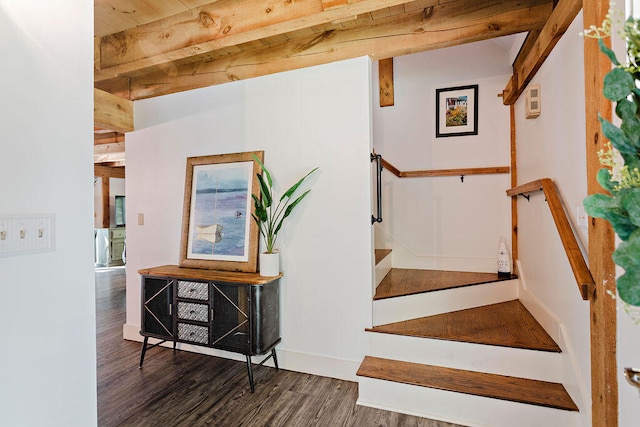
(402, 281)
(507, 324)
(542, 393)
(187, 389)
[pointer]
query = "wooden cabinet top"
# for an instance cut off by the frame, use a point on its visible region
(207, 275)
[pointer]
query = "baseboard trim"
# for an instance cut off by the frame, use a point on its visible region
(289, 360)
(404, 257)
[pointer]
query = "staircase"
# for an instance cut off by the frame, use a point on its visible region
(460, 347)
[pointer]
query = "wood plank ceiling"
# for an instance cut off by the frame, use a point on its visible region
(146, 48)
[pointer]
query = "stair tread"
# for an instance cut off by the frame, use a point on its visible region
(403, 281)
(534, 392)
(507, 324)
(381, 254)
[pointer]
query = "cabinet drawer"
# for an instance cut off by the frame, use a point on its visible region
(193, 333)
(118, 233)
(193, 290)
(193, 311)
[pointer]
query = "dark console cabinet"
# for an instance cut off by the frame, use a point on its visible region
(237, 312)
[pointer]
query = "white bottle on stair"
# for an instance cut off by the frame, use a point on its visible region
(504, 260)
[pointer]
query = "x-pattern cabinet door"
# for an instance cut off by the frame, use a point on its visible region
(231, 320)
(157, 306)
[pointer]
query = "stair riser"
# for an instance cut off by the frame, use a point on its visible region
(382, 269)
(430, 303)
(473, 411)
(515, 362)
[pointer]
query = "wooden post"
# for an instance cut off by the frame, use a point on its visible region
(604, 384)
(106, 221)
(385, 76)
(514, 183)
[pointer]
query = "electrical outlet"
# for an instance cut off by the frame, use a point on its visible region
(582, 217)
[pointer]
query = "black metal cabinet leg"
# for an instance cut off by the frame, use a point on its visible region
(144, 350)
(250, 372)
(275, 358)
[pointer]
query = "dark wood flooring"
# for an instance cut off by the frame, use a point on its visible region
(187, 389)
(507, 324)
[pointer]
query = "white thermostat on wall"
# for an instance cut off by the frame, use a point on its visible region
(532, 101)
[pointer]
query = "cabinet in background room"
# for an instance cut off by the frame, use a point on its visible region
(110, 246)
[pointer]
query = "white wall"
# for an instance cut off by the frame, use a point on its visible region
(301, 119)
(47, 360)
(553, 146)
(443, 222)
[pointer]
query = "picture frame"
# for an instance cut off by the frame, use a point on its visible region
(457, 111)
(218, 231)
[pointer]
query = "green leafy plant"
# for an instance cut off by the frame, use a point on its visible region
(270, 215)
(621, 175)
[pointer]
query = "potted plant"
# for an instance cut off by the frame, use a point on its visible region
(621, 175)
(270, 216)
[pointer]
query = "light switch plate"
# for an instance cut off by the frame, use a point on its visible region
(582, 217)
(26, 234)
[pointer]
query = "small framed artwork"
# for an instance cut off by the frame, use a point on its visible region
(218, 231)
(457, 111)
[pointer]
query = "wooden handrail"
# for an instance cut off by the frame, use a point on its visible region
(444, 172)
(581, 272)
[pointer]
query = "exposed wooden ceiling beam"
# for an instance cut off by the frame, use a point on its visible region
(108, 158)
(113, 147)
(116, 165)
(107, 153)
(112, 112)
(332, 4)
(385, 82)
(526, 67)
(526, 47)
(108, 138)
(108, 171)
(216, 26)
(446, 25)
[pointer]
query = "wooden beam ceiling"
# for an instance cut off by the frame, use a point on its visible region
(108, 172)
(108, 153)
(112, 115)
(220, 25)
(538, 46)
(185, 60)
(107, 137)
(112, 112)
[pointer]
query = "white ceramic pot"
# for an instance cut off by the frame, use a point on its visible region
(269, 264)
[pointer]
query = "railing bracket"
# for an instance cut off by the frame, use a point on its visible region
(526, 196)
(461, 178)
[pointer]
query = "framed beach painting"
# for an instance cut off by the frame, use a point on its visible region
(457, 111)
(218, 231)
